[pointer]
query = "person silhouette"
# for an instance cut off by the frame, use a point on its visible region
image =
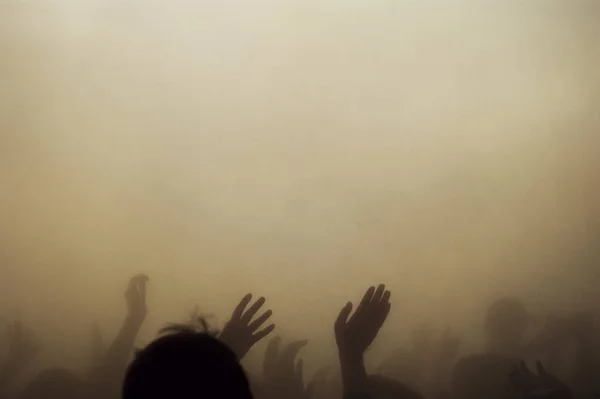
(186, 363)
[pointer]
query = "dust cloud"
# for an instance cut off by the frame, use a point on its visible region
(300, 150)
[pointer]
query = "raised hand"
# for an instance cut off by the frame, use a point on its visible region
(355, 334)
(241, 333)
(524, 384)
(22, 346)
(136, 298)
(284, 377)
(107, 376)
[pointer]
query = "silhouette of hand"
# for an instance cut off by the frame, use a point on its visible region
(136, 298)
(240, 333)
(22, 346)
(523, 384)
(284, 377)
(356, 334)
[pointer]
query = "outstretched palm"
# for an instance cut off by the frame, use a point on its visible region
(355, 334)
(240, 333)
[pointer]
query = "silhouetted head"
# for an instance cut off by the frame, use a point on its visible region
(387, 388)
(186, 363)
(54, 383)
(505, 324)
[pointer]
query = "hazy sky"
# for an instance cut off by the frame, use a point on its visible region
(297, 149)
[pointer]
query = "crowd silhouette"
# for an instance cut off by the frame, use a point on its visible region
(497, 102)
(194, 359)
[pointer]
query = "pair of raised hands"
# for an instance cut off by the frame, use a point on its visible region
(354, 334)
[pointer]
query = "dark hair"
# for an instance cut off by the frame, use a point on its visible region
(185, 362)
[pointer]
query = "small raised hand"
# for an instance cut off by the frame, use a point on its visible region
(355, 334)
(241, 333)
(284, 376)
(136, 298)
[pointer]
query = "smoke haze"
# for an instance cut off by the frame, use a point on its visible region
(298, 150)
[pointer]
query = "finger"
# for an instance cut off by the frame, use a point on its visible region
(239, 309)
(255, 325)
(299, 373)
(365, 301)
(368, 297)
(249, 314)
(386, 296)
(342, 318)
(378, 296)
(383, 313)
(271, 356)
(263, 333)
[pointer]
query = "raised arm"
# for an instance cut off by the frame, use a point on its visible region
(108, 375)
(354, 334)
